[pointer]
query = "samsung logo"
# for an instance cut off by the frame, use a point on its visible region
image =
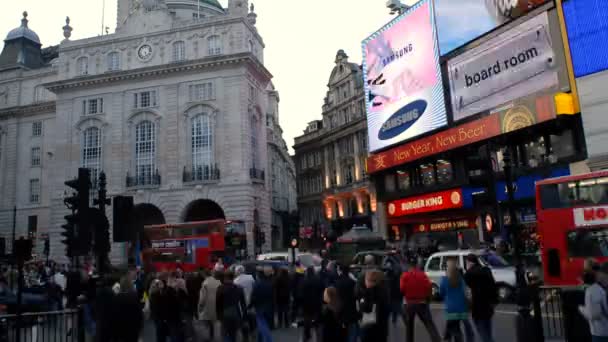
(402, 120)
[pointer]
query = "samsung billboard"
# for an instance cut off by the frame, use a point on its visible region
(519, 61)
(403, 86)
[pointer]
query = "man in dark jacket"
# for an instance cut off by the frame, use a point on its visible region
(484, 296)
(231, 307)
(311, 296)
(345, 285)
(262, 298)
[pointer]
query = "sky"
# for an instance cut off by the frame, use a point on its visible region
(301, 37)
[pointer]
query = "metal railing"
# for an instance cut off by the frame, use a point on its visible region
(60, 326)
(143, 180)
(257, 174)
(550, 308)
(201, 174)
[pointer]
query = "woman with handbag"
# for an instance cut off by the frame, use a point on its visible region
(374, 308)
(453, 291)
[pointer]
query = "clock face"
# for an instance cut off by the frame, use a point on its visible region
(144, 52)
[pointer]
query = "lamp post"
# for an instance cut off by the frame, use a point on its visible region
(522, 295)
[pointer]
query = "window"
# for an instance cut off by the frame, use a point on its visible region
(575, 193)
(586, 243)
(215, 45)
(251, 46)
(179, 51)
(37, 128)
(202, 146)
(32, 227)
(202, 92)
(254, 142)
(389, 183)
(91, 151)
(34, 190)
(427, 172)
(113, 61)
(349, 172)
(145, 99)
(433, 264)
(403, 180)
(252, 93)
(92, 106)
(145, 152)
(36, 156)
(82, 65)
(445, 172)
(41, 94)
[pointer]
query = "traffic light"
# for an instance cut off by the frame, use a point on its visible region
(123, 229)
(77, 232)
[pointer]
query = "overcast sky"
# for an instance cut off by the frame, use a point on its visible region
(301, 37)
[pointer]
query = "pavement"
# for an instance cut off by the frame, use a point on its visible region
(504, 327)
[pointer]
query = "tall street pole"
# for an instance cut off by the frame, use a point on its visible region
(14, 230)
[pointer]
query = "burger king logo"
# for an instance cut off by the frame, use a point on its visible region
(455, 197)
(421, 228)
(391, 209)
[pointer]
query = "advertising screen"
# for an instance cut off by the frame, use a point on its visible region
(588, 39)
(460, 21)
(404, 93)
(520, 61)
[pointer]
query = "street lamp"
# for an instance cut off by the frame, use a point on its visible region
(396, 7)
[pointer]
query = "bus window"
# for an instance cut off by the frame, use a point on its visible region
(575, 193)
(584, 243)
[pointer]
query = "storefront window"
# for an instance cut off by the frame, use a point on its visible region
(428, 174)
(403, 180)
(445, 172)
(562, 146)
(389, 183)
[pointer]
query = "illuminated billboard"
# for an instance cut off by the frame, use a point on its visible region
(461, 21)
(519, 61)
(403, 87)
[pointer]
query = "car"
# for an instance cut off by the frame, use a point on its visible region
(503, 272)
(381, 258)
(306, 259)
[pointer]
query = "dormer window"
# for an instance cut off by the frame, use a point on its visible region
(82, 66)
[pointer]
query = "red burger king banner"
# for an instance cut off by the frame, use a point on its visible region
(443, 200)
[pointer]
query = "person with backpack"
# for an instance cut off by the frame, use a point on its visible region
(595, 309)
(231, 307)
(416, 289)
(484, 296)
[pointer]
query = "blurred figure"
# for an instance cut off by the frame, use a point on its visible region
(219, 265)
(453, 290)
(332, 321)
(375, 308)
(262, 301)
(127, 314)
(282, 293)
(297, 277)
(484, 296)
(194, 283)
(416, 289)
(245, 281)
(207, 303)
(345, 286)
(159, 309)
(590, 268)
(395, 296)
(595, 309)
(311, 296)
(231, 307)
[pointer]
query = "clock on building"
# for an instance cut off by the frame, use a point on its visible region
(144, 52)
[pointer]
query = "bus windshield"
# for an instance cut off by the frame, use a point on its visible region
(575, 193)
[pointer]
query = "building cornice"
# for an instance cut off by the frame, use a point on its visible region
(36, 108)
(155, 71)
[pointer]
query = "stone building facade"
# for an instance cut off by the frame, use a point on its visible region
(176, 107)
(334, 191)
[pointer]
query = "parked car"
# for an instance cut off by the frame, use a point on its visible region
(503, 272)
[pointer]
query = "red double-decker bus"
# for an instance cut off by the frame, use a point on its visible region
(572, 215)
(189, 245)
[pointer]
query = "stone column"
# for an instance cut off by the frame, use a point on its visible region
(358, 172)
(339, 180)
(327, 179)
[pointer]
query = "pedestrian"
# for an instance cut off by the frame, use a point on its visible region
(219, 265)
(179, 317)
(231, 307)
(374, 307)
(282, 294)
(193, 286)
(595, 309)
(297, 278)
(246, 282)
(590, 268)
(453, 291)
(395, 296)
(334, 328)
(127, 314)
(159, 309)
(206, 306)
(484, 296)
(345, 286)
(311, 296)
(416, 289)
(262, 301)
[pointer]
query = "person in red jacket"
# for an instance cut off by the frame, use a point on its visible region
(416, 289)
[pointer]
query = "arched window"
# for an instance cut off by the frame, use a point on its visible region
(179, 51)
(82, 65)
(113, 61)
(215, 45)
(203, 167)
(91, 151)
(145, 152)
